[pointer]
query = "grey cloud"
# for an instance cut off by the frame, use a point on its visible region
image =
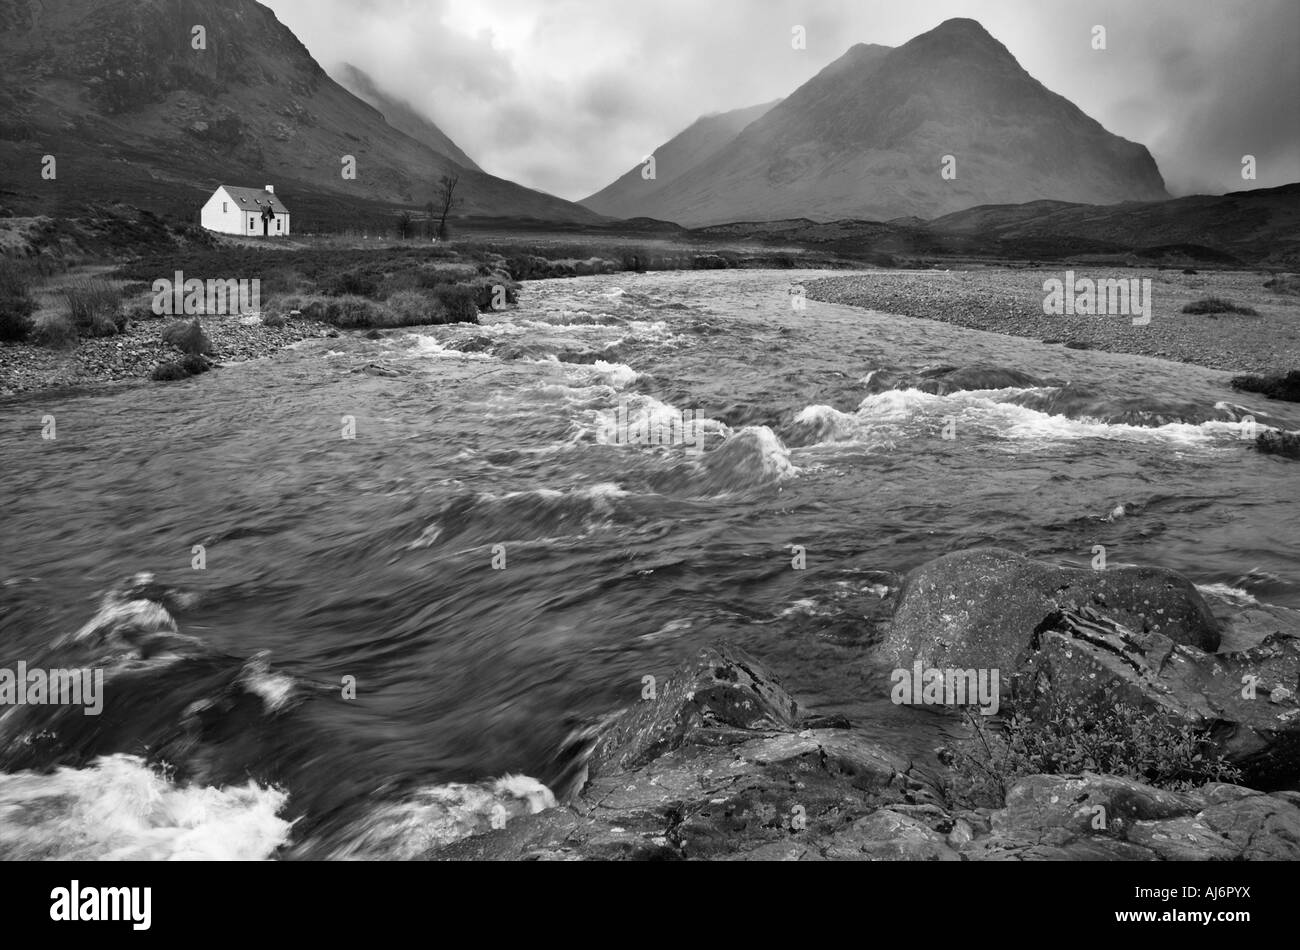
(566, 95)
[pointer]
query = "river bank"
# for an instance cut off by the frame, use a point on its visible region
(1010, 301)
(134, 354)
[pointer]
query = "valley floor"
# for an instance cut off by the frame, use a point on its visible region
(1006, 300)
(1010, 300)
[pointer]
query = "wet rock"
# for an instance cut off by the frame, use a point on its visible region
(944, 380)
(980, 609)
(1284, 387)
(725, 689)
(1088, 657)
(1286, 444)
(886, 835)
(718, 767)
(1089, 817)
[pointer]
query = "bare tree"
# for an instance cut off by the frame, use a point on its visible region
(404, 223)
(429, 211)
(446, 199)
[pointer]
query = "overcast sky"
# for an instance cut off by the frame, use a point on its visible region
(566, 95)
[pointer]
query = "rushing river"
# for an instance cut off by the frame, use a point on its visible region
(377, 557)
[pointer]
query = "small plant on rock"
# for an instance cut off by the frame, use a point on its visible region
(1071, 737)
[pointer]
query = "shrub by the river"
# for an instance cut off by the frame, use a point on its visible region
(55, 331)
(460, 302)
(188, 337)
(1074, 737)
(408, 308)
(1284, 284)
(1211, 306)
(16, 304)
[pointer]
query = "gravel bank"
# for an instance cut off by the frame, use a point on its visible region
(1010, 301)
(134, 354)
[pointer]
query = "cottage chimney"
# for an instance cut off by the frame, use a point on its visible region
(270, 189)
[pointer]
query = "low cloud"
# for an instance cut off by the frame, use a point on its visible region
(566, 95)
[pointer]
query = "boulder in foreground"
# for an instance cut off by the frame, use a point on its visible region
(718, 767)
(979, 609)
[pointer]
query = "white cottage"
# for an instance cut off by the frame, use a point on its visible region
(246, 211)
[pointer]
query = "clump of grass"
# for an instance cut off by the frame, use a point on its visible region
(16, 304)
(447, 303)
(95, 307)
(460, 302)
(54, 331)
(411, 309)
(1284, 284)
(1073, 737)
(1216, 305)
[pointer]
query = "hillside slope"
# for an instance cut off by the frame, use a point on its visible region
(131, 111)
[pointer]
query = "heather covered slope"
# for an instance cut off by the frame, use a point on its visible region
(866, 139)
(116, 92)
(1260, 227)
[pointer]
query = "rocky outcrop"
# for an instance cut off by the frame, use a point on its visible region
(945, 380)
(1286, 444)
(980, 609)
(1103, 817)
(719, 766)
(1140, 637)
(1247, 701)
(1285, 388)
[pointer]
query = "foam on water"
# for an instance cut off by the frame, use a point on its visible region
(118, 809)
(1233, 595)
(440, 815)
(905, 411)
(617, 375)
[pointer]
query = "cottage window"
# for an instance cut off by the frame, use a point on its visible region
(225, 207)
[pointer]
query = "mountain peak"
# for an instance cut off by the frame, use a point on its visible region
(961, 23)
(960, 35)
(864, 138)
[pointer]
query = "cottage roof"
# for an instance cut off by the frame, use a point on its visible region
(255, 199)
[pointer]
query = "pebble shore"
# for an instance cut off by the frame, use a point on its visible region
(26, 368)
(1010, 301)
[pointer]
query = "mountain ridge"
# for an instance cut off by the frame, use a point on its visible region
(866, 138)
(116, 91)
